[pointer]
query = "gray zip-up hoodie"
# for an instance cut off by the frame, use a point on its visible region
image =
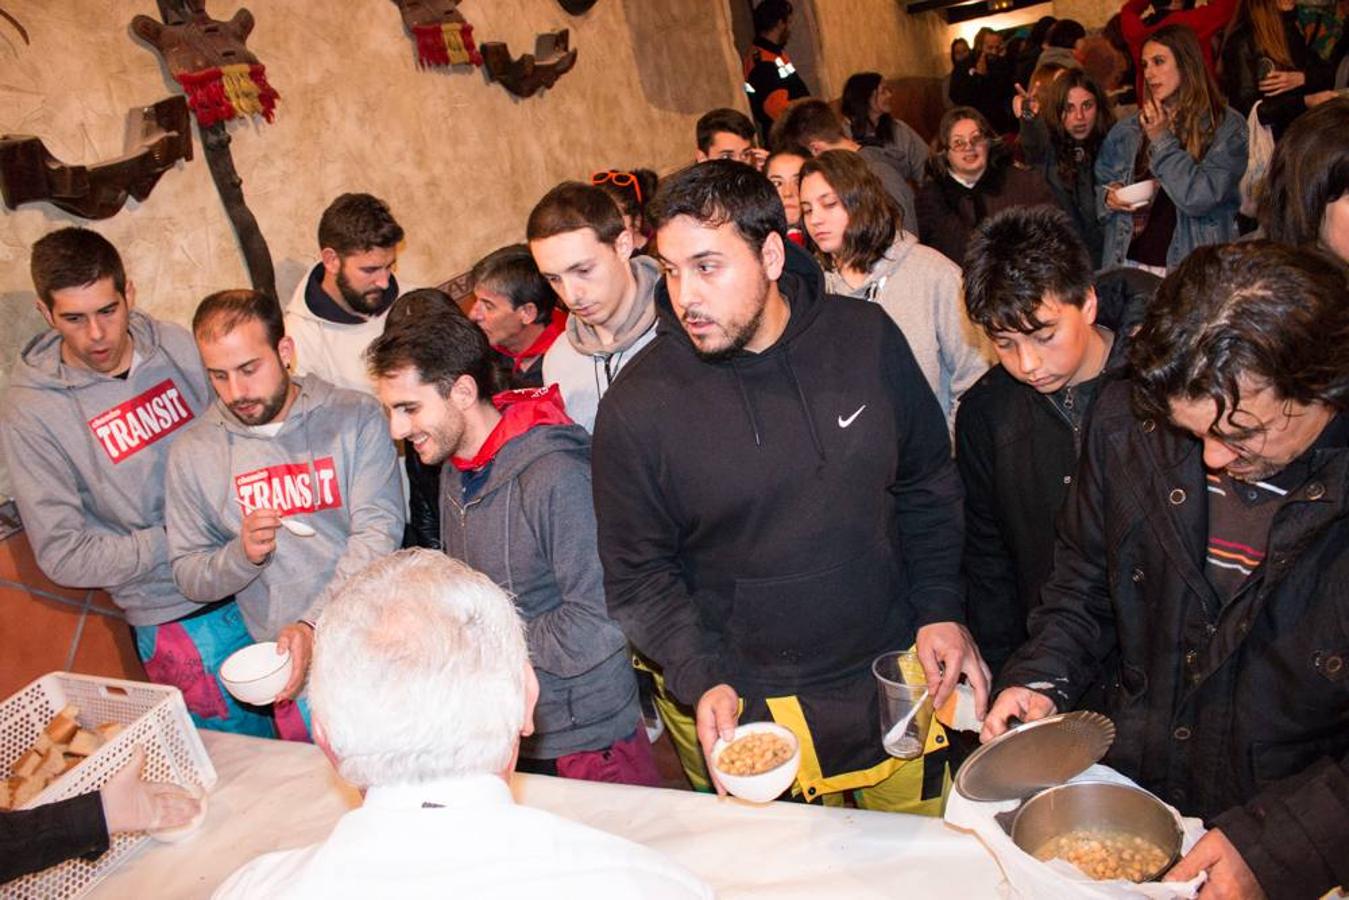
(920, 289)
(87, 454)
(531, 528)
(332, 466)
(583, 365)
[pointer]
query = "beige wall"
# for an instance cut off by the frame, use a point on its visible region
(460, 161)
(877, 35)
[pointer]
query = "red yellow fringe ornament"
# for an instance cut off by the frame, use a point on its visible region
(228, 92)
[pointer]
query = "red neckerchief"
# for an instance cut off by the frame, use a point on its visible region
(520, 411)
(796, 236)
(556, 325)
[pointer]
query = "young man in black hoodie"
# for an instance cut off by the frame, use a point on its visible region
(775, 497)
(1028, 285)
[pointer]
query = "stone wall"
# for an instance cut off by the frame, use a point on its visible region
(459, 160)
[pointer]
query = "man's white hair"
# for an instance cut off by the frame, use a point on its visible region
(419, 672)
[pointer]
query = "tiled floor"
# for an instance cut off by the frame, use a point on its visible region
(46, 628)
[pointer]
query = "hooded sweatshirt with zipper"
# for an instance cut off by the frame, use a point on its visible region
(920, 290)
(87, 454)
(331, 465)
(524, 516)
(583, 365)
(776, 520)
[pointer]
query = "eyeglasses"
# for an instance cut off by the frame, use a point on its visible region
(618, 179)
(960, 145)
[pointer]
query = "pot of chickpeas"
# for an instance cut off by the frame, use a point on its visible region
(1105, 829)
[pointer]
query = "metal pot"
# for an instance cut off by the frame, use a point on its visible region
(1097, 804)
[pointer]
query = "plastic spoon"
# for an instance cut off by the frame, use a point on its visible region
(896, 732)
(299, 529)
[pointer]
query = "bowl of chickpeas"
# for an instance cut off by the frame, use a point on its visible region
(1107, 830)
(759, 762)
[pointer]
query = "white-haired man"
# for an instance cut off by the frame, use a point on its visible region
(421, 690)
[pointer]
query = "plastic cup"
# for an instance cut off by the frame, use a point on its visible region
(900, 685)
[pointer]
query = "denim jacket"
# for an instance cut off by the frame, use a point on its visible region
(1204, 192)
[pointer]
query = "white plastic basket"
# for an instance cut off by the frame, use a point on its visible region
(155, 718)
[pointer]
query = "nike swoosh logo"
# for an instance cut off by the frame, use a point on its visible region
(844, 423)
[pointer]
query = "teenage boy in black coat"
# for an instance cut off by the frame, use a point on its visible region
(1205, 543)
(775, 497)
(1028, 285)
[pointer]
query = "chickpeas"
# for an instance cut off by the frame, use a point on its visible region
(1103, 855)
(754, 754)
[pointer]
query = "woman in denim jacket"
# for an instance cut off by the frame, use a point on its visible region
(1186, 138)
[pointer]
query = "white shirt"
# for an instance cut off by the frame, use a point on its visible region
(331, 350)
(462, 838)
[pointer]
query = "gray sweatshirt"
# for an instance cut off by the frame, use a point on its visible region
(582, 364)
(87, 453)
(332, 466)
(920, 289)
(531, 528)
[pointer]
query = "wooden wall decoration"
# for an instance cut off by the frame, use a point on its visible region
(159, 136)
(445, 38)
(223, 81)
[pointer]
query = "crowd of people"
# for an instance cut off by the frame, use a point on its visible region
(703, 447)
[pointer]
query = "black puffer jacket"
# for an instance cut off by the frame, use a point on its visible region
(1238, 713)
(1017, 454)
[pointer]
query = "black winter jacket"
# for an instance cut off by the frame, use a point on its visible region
(777, 520)
(1017, 454)
(1236, 712)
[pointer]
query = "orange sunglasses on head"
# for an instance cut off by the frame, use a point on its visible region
(618, 179)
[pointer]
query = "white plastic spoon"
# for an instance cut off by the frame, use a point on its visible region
(895, 735)
(299, 529)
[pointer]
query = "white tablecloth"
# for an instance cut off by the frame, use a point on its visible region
(274, 795)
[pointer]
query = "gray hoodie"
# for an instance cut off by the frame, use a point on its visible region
(920, 289)
(332, 466)
(583, 365)
(87, 453)
(531, 528)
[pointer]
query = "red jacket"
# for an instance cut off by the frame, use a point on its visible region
(1205, 21)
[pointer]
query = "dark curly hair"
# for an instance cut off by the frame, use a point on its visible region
(1260, 309)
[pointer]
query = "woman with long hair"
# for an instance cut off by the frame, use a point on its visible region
(1189, 141)
(1305, 199)
(972, 176)
(1060, 137)
(1265, 58)
(854, 229)
(866, 110)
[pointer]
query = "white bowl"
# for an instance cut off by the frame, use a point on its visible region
(1138, 193)
(256, 674)
(766, 786)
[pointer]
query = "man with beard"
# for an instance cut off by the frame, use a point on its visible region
(274, 449)
(515, 465)
(339, 308)
(93, 406)
(1205, 548)
(776, 500)
(583, 250)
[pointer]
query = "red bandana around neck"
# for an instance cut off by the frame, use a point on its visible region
(520, 411)
(556, 325)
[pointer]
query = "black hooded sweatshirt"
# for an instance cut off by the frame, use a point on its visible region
(776, 520)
